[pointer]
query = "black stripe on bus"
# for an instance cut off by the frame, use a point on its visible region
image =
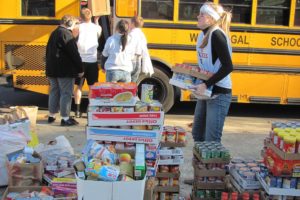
(234, 49)
(31, 21)
(232, 28)
(161, 25)
(267, 69)
(246, 68)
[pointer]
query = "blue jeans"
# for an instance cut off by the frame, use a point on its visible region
(60, 95)
(209, 118)
(118, 76)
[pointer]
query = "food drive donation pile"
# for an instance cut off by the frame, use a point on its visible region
(123, 136)
(281, 178)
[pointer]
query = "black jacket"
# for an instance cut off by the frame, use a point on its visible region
(62, 57)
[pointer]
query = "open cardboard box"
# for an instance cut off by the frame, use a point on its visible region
(210, 160)
(104, 190)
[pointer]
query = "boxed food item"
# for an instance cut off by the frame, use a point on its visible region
(123, 135)
(125, 118)
(187, 76)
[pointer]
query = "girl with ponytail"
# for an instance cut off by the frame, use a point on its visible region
(214, 55)
(117, 54)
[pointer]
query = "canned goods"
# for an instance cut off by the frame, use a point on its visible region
(171, 135)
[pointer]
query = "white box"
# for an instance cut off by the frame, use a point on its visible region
(171, 152)
(123, 135)
(111, 102)
(125, 118)
(119, 190)
(172, 161)
(278, 191)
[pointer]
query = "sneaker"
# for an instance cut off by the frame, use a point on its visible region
(51, 119)
(188, 181)
(77, 114)
(69, 122)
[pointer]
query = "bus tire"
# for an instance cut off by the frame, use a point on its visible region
(163, 91)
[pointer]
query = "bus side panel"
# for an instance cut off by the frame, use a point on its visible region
(293, 89)
(258, 87)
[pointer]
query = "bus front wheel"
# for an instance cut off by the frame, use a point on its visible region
(163, 91)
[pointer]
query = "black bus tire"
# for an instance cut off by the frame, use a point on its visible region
(163, 91)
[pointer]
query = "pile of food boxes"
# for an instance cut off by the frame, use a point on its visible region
(123, 136)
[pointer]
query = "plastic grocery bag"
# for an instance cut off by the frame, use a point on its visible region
(59, 146)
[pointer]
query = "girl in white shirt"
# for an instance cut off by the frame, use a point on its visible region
(141, 61)
(118, 52)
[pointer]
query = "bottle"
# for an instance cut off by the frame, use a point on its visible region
(246, 196)
(234, 196)
(255, 196)
(224, 196)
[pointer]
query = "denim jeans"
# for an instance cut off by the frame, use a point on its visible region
(60, 95)
(209, 118)
(118, 76)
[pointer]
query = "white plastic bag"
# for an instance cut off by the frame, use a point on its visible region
(59, 146)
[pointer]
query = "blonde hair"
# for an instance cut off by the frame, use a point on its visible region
(223, 22)
(137, 21)
(86, 14)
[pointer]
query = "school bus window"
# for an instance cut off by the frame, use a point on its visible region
(189, 9)
(38, 8)
(273, 12)
(154, 9)
(297, 14)
(241, 11)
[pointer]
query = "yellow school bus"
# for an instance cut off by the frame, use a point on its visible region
(265, 36)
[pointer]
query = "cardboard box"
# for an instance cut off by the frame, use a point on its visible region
(208, 186)
(172, 161)
(283, 155)
(21, 189)
(208, 173)
(245, 184)
(119, 190)
(170, 152)
(111, 102)
(123, 135)
(211, 160)
(172, 144)
(174, 189)
(277, 191)
(167, 175)
(99, 7)
(125, 118)
(190, 72)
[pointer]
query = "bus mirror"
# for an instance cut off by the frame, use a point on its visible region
(126, 8)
